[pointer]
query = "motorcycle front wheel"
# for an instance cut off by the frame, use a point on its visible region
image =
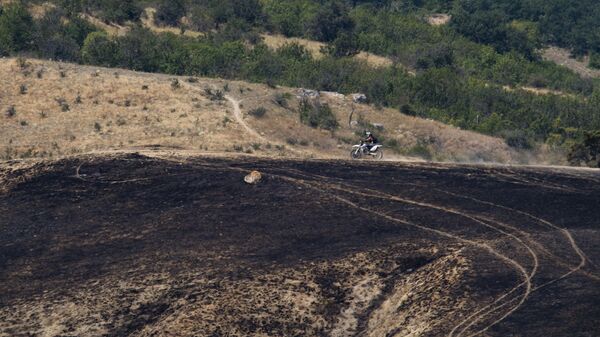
(355, 154)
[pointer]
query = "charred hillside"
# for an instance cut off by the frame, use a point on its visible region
(140, 246)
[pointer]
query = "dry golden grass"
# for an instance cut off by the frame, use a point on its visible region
(439, 19)
(314, 47)
(539, 91)
(119, 109)
(148, 22)
(563, 57)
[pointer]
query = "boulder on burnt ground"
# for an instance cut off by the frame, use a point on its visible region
(253, 178)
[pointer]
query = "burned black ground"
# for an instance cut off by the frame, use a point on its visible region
(190, 233)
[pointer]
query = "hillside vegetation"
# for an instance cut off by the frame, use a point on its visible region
(52, 110)
(456, 73)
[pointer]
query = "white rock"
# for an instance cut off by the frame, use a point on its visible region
(253, 178)
(359, 98)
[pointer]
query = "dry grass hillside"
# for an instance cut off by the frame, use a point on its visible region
(54, 109)
(563, 57)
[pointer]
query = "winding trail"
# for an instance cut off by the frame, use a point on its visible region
(239, 118)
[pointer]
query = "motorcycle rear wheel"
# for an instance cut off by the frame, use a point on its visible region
(379, 154)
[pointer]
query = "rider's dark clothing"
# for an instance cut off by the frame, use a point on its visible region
(370, 141)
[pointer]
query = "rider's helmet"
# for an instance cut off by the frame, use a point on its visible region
(367, 133)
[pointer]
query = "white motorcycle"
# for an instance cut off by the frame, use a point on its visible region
(362, 150)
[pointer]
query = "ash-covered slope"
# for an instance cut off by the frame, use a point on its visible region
(132, 245)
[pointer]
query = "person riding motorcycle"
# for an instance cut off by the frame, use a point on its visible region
(370, 140)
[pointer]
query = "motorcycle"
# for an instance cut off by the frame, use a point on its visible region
(362, 150)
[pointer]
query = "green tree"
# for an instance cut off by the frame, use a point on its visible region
(331, 19)
(16, 28)
(170, 11)
(115, 10)
(99, 49)
(586, 152)
(346, 44)
(72, 7)
(595, 60)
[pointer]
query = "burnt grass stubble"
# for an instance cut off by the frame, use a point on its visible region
(193, 211)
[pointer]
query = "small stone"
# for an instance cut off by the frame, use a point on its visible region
(253, 178)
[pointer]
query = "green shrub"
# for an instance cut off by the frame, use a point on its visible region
(11, 111)
(518, 139)
(317, 115)
(214, 95)
(420, 150)
(169, 12)
(16, 28)
(408, 110)
(99, 49)
(258, 112)
(595, 60)
(587, 151)
(281, 99)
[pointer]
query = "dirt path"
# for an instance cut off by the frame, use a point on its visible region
(239, 118)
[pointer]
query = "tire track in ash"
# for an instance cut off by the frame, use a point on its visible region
(483, 312)
(545, 223)
(584, 260)
(527, 276)
(488, 310)
(565, 233)
(516, 178)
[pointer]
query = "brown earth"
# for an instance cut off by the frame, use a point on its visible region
(156, 245)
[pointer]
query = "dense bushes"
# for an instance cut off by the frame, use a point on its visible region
(117, 11)
(442, 93)
(384, 27)
(50, 36)
(563, 22)
(587, 151)
(317, 115)
(100, 50)
(16, 29)
(170, 11)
